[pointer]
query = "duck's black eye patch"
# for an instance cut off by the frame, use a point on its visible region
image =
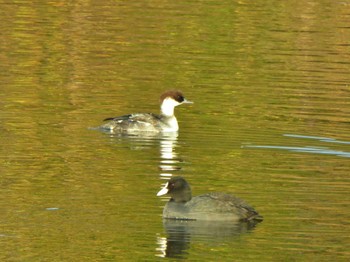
(180, 98)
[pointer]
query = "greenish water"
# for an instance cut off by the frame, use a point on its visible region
(270, 124)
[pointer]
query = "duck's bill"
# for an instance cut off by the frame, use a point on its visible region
(163, 191)
(187, 102)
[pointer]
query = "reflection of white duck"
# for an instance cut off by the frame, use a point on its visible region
(149, 122)
(169, 158)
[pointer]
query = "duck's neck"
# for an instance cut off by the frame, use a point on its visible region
(167, 107)
(182, 197)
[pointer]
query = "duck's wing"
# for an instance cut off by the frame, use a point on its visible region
(137, 117)
(133, 123)
(230, 203)
(117, 118)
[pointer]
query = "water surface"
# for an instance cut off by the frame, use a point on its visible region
(270, 124)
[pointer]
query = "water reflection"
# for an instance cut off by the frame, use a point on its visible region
(142, 140)
(322, 139)
(309, 149)
(180, 232)
(169, 160)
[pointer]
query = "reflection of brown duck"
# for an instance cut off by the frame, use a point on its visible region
(211, 206)
(149, 122)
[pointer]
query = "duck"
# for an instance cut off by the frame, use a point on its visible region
(215, 206)
(150, 122)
